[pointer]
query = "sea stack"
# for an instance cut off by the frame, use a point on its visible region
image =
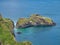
(34, 20)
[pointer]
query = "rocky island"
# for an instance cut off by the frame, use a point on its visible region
(6, 37)
(34, 20)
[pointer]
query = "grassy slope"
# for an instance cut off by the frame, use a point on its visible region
(6, 38)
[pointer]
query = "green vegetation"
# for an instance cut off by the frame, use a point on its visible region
(22, 21)
(6, 38)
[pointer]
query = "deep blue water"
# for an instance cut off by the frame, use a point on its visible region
(37, 35)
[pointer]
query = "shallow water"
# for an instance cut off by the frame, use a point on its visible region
(37, 35)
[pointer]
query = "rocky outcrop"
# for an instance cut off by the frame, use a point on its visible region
(34, 20)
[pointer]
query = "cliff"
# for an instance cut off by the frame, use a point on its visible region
(6, 37)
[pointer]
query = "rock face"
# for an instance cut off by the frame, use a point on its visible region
(34, 20)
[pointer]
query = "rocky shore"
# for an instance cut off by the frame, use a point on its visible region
(34, 20)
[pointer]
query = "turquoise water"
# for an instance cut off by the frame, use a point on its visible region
(37, 35)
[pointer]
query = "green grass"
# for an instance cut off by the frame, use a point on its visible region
(6, 38)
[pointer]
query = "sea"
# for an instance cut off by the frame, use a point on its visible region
(15, 9)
